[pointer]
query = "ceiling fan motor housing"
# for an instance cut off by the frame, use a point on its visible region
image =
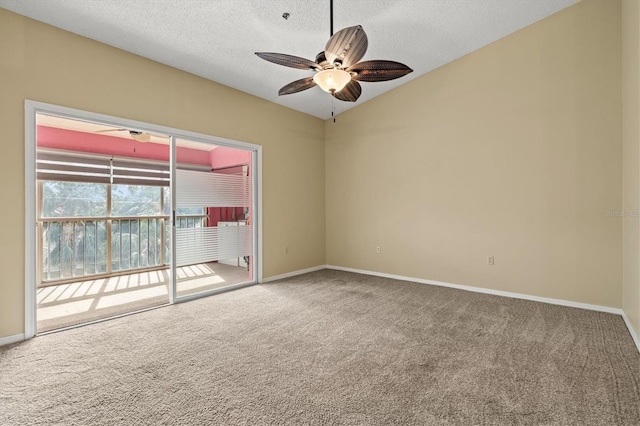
(321, 60)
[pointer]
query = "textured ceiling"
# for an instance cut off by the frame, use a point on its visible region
(216, 39)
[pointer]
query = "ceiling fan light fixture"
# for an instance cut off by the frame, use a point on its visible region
(332, 80)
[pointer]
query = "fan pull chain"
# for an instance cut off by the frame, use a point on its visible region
(333, 110)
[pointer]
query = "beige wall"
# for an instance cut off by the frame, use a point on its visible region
(512, 151)
(45, 64)
(631, 155)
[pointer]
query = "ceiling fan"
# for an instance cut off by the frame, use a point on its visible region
(135, 134)
(337, 69)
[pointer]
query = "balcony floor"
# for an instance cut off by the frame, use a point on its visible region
(75, 303)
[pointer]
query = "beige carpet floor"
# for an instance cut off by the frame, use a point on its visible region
(331, 347)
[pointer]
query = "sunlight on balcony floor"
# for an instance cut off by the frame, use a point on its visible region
(79, 302)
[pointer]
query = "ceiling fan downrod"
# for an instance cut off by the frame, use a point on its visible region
(331, 17)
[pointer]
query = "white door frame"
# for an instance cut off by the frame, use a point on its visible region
(31, 108)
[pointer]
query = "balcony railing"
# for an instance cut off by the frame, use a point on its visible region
(97, 246)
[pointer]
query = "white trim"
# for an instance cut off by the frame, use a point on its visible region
(256, 217)
(99, 320)
(294, 273)
(634, 336)
(195, 296)
(173, 161)
(30, 221)
(561, 302)
(11, 339)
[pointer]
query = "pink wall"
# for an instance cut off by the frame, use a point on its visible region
(220, 157)
(50, 137)
(225, 157)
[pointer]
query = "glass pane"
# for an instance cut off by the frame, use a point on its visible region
(45, 250)
(159, 241)
(50, 251)
(144, 243)
(153, 255)
(89, 247)
(78, 246)
(213, 241)
(189, 210)
(66, 256)
(101, 247)
(125, 244)
(115, 245)
(166, 193)
(135, 200)
(180, 211)
(73, 199)
(167, 242)
(135, 243)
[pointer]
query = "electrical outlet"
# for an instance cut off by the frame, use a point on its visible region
(490, 260)
(378, 251)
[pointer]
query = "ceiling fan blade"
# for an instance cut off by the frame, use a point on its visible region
(350, 93)
(347, 46)
(297, 86)
(288, 60)
(379, 70)
(111, 130)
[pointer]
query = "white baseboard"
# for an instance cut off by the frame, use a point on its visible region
(294, 273)
(523, 296)
(11, 339)
(634, 336)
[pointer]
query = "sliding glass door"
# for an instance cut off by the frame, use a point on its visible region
(213, 231)
(131, 216)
